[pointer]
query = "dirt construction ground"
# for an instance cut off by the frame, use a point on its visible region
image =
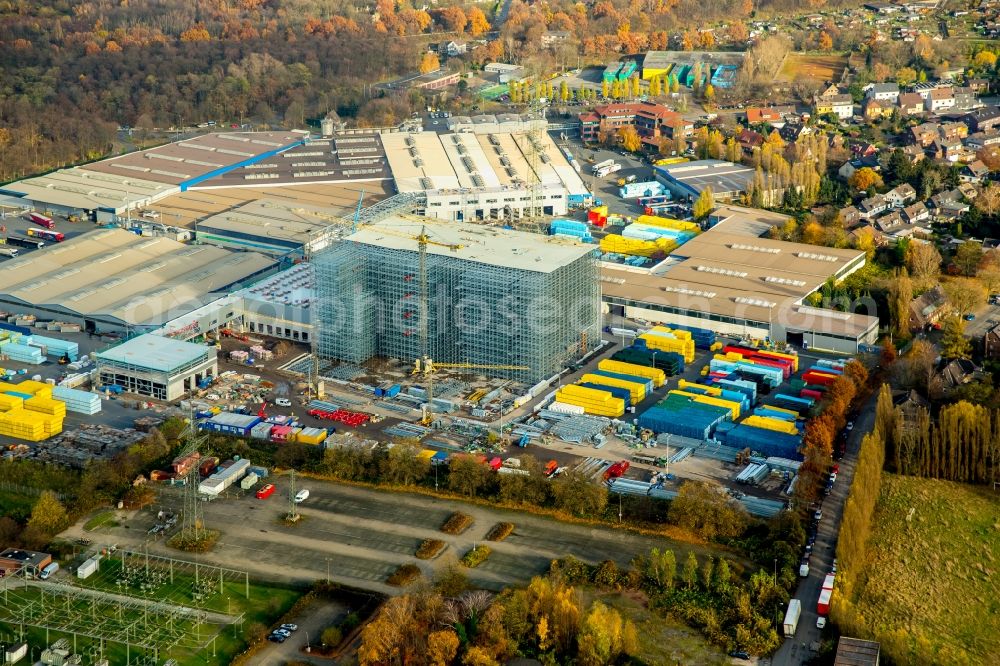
(821, 68)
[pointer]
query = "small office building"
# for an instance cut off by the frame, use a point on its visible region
(156, 366)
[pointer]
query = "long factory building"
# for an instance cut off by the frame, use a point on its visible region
(734, 281)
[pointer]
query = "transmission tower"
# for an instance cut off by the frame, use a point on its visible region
(192, 524)
(293, 508)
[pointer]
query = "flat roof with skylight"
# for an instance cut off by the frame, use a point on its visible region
(153, 352)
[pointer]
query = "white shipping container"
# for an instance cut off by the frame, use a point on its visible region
(249, 481)
(89, 567)
(15, 653)
(563, 408)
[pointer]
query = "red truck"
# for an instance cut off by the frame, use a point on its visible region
(616, 470)
(495, 463)
(266, 491)
(551, 467)
(823, 605)
(42, 220)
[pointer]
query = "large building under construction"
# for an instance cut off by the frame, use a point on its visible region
(494, 297)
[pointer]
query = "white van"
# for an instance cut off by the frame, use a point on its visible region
(283, 402)
(49, 570)
(301, 496)
(804, 570)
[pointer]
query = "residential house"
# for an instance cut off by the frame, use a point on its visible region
(652, 121)
(969, 192)
(953, 130)
(981, 86)
(454, 49)
(916, 213)
(756, 115)
(966, 98)
(750, 140)
(901, 195)
(948, 196)
(842, 106)
(873, 109)
(882, 92)
(849, 167)
(872, 206)
(883, 7)
(974, 172)
(928, 308)
(849, 216)
(991, 343)
(865, 230)
(925, 134)
(890, 223)
(979, 140)
(505, 72)
(792, 131)
(863, 149)
(940, 100)
(910, 104)
(553, 37)
(953, 374)
(914, 152)
(949, 150)
(910, 403)
(984, 119)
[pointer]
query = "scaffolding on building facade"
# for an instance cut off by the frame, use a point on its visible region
(369, 304)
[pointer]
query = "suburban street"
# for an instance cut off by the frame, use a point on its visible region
(797, 650)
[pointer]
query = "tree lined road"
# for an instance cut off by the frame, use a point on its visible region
(797, 650)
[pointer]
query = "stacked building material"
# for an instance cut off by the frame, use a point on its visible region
(732, 407)
(799, 404)
(571, 228)
(668, 223)
(766, 442)
(771, 376)
(716, 392)
(670, 363)
(636, 386)
(594, 402)
(56, 347)
(22, 353)
(773, 424)
(662, 339)
(622, 393)
(747, 388)
(654, 375)
(819, 378)
(776, 413)
(682, 415)
(617, 244)
(43, 405)
(77, 401)
(261, 354)
(239, 355)
(643, 232)
(32, 426)
(563, 408)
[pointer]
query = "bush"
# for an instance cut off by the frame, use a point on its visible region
(430, 548)
(404, 575)
(476, 556)
(500, 531)
(331, 637)
(457, 523)
(350, 622)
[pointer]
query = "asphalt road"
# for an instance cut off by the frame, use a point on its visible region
(798, 650)
(311, 621)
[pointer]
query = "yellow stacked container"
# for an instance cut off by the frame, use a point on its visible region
(34, 388)
(311, 436)
(658, 377)
(23, 424)
(617, 244)
(598, 403)
(9, 402)
(790, 412)
(768, 423)
(668, 223)
(733, 407)
(707, 390)
(46, 406)
(637, 392)
(665, 341)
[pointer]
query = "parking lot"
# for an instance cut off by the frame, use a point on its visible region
(17, 223)
(359, 536)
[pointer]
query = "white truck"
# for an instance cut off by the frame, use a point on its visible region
(600, 165)
(608, 169)
(792, 617)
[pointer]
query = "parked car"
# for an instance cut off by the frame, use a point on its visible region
(818, 515)
(283, 402)
(301, 496)
(820, 622)
(290, 627)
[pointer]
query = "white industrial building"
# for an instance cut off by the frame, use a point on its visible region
(733, 282)
(156, 366)
(469, 176)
